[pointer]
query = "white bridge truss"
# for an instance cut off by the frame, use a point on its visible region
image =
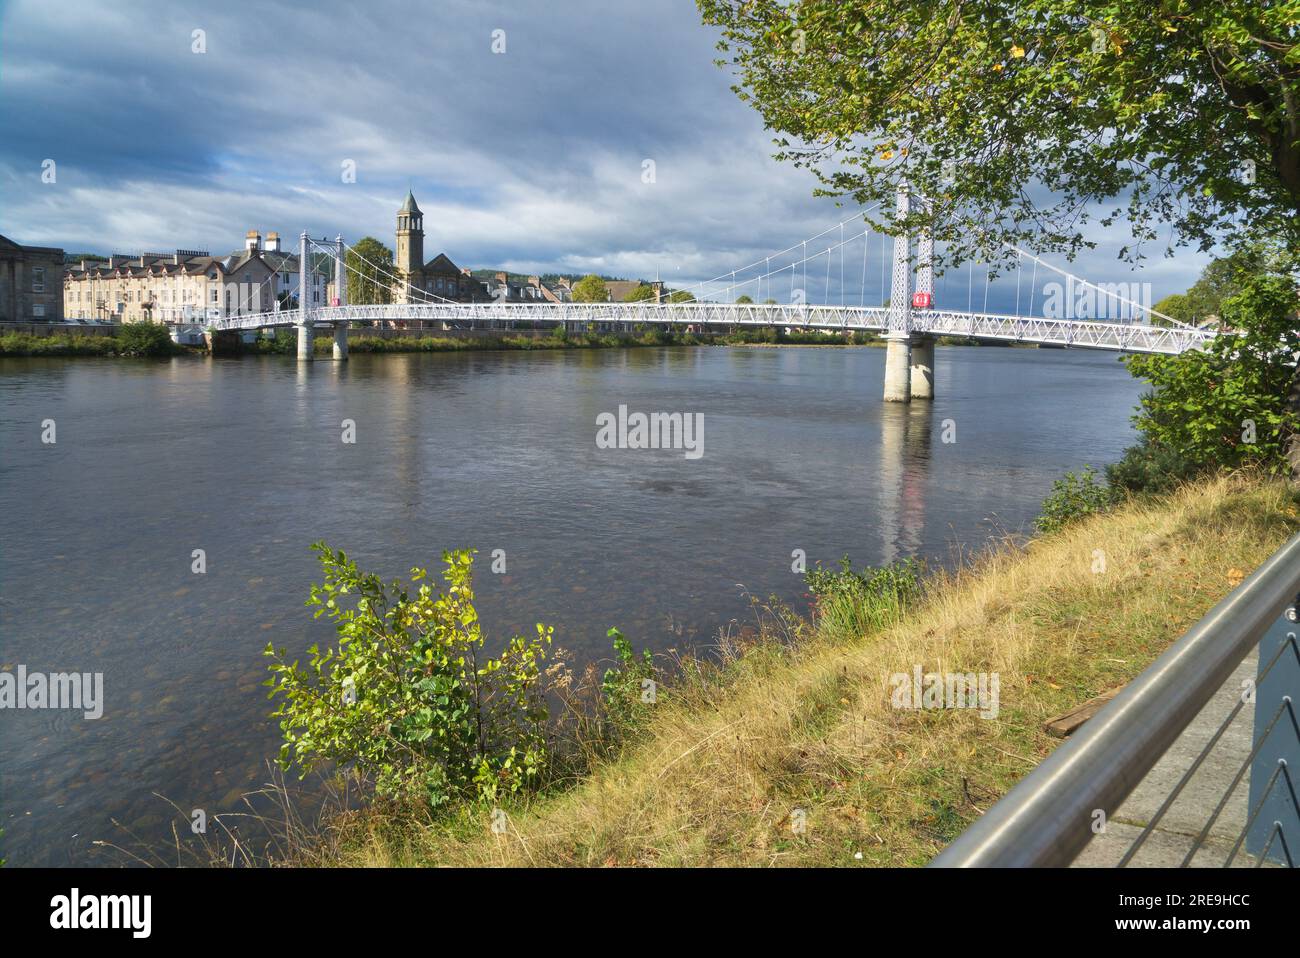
(1081, 333)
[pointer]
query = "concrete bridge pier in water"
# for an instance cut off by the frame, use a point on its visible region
(909, 356)
(909, 367)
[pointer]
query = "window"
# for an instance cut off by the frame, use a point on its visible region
(38, 279)
(214, 294)
(38, 309)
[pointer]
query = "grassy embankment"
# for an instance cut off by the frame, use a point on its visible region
(807, 723)
(73, 344)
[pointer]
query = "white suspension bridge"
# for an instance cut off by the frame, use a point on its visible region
(910, 321)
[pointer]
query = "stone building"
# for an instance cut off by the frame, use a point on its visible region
(439, 278)
(186, 286)
(31, 283)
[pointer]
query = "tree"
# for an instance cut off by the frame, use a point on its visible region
(743, 300)
(640, 294)
(1222, 279)
(681, 296)
(1225, 405)
(590, 289)
(1176, 306)
(370, 272)
(1227, 276)
(1012, 119)
(1179, 112)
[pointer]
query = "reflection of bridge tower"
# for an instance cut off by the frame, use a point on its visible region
(909, 358)
(904, 470)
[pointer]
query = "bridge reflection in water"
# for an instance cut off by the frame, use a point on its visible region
(905, 436)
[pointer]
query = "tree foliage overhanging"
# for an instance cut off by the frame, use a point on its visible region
(1016, 117)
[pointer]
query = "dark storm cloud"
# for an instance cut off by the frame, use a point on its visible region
(531, 158)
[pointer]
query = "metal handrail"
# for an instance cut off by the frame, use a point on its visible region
(1046, 819)
(1082, 333)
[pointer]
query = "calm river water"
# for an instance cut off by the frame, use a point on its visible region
(244, 460)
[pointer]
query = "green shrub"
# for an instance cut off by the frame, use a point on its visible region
(1073, 497)
(407, 697)
(857, 603)
(1149, 468)
(628, 689)
(61, 344)
(144, 339)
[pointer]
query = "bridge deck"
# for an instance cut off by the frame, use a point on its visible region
(1083, 333)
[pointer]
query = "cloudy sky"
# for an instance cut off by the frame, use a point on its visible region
(530, 159)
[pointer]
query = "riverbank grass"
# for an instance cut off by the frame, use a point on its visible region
(791, 754)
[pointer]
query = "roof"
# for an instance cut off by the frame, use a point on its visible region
(8, 244)
(441, 264)
(619, 289)
(409, 206)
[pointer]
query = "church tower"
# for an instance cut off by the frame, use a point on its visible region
(410, 246)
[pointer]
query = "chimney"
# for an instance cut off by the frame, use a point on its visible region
(535, 281)
(253, 240)
(502, 278)
(273, 242)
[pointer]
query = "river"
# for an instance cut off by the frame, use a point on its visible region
(245, 460)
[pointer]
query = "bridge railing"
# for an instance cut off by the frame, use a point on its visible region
(1051, 815)
(1084, 333)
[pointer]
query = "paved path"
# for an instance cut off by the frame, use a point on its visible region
(1173, 837)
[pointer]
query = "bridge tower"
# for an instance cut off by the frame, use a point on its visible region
(898, 340)
(922, 371)
(909, 356)
(341, 299)
(306, 332)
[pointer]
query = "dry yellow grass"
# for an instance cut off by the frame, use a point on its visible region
(720, 771)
